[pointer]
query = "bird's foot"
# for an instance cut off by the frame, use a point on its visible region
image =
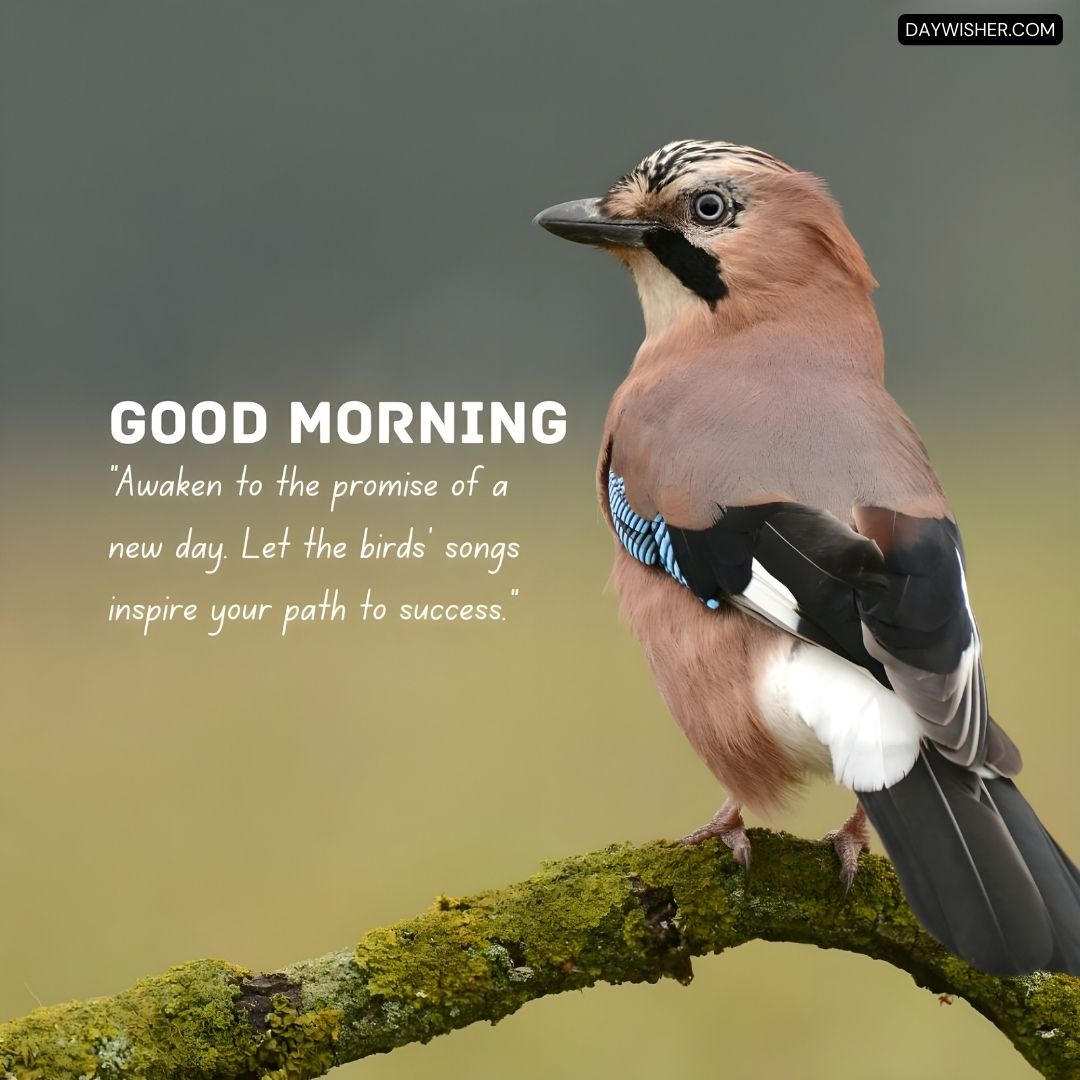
(728, 825)
(850, 841)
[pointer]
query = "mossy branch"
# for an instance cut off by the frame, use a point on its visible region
(625, 914)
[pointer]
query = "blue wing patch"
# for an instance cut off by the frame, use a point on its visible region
(646, 539)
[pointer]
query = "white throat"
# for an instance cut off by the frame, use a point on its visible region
(664, 299)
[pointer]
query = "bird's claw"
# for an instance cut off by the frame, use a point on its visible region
(849, 842)
(728, 826)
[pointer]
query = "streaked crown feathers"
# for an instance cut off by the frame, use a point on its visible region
(676, 159)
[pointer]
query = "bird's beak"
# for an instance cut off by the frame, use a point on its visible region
(583, 222)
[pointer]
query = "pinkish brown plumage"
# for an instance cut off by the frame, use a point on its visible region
(706, 665)
(786, 556)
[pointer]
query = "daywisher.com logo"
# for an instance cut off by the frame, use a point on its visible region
(995, 29)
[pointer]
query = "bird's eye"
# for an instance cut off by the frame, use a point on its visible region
(710, 207)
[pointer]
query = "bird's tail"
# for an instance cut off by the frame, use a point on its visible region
(978, 868)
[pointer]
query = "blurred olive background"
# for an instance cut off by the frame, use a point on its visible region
(280, 200)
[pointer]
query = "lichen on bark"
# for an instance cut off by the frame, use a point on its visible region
(624, 914)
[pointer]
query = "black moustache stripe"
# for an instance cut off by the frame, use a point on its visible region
(696, 269)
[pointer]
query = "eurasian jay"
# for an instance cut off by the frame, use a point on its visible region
(786, 556)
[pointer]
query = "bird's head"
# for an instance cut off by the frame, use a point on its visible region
(712, 228)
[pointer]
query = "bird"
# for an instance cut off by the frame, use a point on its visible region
(786, 556)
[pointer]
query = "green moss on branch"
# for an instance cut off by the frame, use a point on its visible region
(625, 914)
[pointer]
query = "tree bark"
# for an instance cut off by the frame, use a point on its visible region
(624, 914)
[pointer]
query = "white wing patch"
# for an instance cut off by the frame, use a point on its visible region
(769, 598)
(871, 736)
(824, 710)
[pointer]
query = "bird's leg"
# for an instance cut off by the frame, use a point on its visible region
(726, 823)
(850, 841)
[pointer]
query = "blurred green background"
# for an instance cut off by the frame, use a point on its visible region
(281, 200)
